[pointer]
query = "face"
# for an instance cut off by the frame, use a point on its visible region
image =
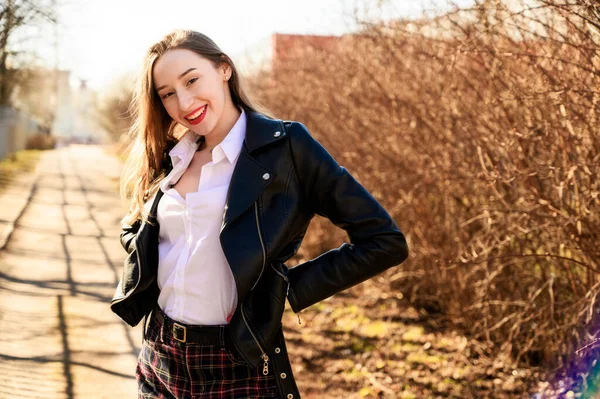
(193, 90)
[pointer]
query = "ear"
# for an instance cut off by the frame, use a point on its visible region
(225, 70)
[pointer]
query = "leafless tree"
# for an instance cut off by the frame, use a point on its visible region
(113, 109)
(15, 17)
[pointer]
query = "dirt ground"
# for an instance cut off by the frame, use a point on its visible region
(60, 261)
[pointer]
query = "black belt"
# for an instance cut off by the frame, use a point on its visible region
(204, 335)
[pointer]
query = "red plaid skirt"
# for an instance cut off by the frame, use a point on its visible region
(168, 368)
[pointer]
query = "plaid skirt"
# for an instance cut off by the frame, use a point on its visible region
(168, 368)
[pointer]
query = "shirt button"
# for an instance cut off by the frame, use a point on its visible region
(266, 176)
(283, 375)
(277, 350)
(290, 396)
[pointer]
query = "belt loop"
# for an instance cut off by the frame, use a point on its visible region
(222, 333)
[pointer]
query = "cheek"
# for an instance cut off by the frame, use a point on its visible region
(214, 95)
(218, 101)
(172, 109)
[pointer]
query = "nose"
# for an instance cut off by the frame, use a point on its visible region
(186, 100)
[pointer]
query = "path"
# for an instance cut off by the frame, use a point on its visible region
(58, 270)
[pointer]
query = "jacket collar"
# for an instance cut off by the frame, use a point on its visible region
(261, 131)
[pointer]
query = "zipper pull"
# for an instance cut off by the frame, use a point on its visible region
(265, 365)
(299, 323)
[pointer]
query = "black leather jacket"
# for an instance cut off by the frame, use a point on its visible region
(283, 177)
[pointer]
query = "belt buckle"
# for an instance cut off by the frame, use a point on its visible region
(180, 327)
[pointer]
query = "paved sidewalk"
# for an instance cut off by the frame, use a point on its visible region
(58, 270)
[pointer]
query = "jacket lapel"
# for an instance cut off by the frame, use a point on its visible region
(248, 181)
(250, 178)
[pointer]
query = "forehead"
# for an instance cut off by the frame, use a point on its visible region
(173, 63)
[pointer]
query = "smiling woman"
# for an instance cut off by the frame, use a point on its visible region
(214, 215)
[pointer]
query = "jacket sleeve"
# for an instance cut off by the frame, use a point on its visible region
(128, 233)
(376, 243)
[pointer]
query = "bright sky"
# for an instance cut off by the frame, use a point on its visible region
(101, 40)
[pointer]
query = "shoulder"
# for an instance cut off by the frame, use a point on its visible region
(308, 154)
(296, 129)
(302, 140)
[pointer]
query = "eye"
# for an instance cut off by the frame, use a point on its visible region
(191, 81)
(166, 95)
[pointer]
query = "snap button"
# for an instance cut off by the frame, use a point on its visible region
(266, 176)
(277, 350)
(290, 396)
(277, 133)
(283, 375)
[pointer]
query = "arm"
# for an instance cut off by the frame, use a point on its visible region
(376, 243)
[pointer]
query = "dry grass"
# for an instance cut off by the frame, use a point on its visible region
(19, 162)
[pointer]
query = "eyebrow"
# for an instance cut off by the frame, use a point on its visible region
(178, 77)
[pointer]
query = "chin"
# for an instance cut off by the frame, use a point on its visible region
(203, 129)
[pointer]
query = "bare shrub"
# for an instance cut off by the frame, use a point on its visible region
(40, 141)
(478, 131)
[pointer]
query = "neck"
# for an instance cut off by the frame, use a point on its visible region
(229, 118)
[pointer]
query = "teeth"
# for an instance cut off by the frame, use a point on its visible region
(197, 114)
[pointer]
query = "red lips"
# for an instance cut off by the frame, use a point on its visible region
(198, 119)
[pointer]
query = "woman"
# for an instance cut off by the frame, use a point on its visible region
(215, 214)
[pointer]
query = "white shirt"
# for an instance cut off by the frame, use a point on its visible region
(196, 282)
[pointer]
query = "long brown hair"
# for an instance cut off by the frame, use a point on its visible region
(153, 130)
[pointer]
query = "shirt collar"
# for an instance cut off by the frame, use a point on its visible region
(184, 148)
(231, 146)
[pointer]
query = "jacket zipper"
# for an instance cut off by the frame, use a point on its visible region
(262, 244)
(263, 355)
(283, 276)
